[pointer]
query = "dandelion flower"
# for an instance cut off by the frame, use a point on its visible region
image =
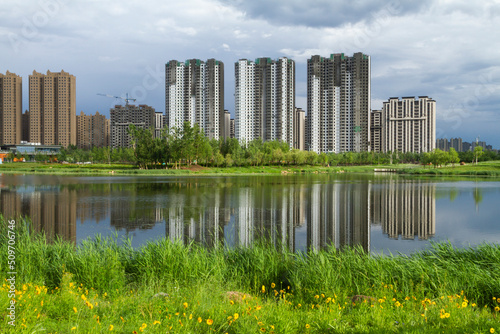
(464, 304)
(308, 326)
(492, 330)
(210, 322)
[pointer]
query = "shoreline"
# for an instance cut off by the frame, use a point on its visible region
(485, 169)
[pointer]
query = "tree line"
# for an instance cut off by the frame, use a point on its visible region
(188, 145)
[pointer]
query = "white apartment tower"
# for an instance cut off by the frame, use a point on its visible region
(265, 99)
(409, 125)
(338, 103)
(194, 92)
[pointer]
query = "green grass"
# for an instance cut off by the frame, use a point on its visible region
(102, 285)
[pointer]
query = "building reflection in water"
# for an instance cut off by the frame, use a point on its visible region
(406, 209)
(51, 209)
(235, 211)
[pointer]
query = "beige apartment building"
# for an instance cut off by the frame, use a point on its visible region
(10, 108)
(52, 108)
(408, 125)
(92, 131)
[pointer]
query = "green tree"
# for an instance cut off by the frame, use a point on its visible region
(453, 156)
(478, 152)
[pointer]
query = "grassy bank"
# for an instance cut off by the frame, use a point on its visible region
(490, 168)
(100, 286)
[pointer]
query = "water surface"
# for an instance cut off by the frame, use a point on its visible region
(381, 213)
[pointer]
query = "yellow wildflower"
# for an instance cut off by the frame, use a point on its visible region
(73, 328)
(111, 327)
(200, 319)
(185, 305)
(308, 326)
(273, 285)
(492, 330)
(497, 308)
(464, 304)
(210, 322)
(263, 289)
(236, 316)
(74, 309)
(447, 315)
(156, 322)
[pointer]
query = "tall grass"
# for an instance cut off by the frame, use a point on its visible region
(107, 265)
(104, 284)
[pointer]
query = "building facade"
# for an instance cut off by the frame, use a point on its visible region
(159, 123)
(194, 93)
(121, 117)
(11, 109)
(409, 125)
(264, 99)
(52, 108)
(92, 131)
(376, 131)
(338, 103)
(299, 129)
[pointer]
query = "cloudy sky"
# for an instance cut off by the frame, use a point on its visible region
(448, 50)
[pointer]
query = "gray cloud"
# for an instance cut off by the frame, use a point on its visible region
(323, 13)
(442, 49)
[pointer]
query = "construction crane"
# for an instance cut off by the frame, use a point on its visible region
(119, 97)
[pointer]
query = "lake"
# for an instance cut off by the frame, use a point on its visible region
(383, 213)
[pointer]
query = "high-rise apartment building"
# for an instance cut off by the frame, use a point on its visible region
(456, 143)
(443, 144)
(121, 117)
(227, 124)
(376, 131)
(409, 125)
(194, 92)
(264, 99)
(10, 108)
(52, 108)
(159, 123)
(338, 103)
(92, 131)
(299, 129)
